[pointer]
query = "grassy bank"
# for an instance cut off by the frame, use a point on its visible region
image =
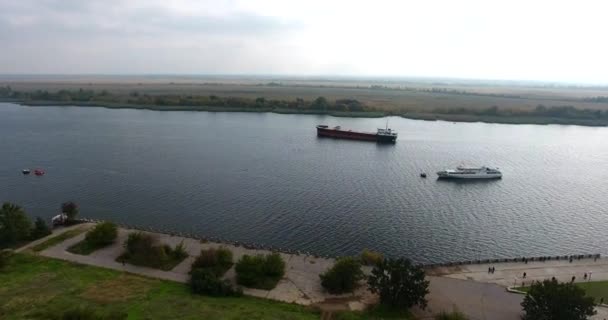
(33, 287)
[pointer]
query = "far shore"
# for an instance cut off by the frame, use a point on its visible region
(427, 116)
(363, 114)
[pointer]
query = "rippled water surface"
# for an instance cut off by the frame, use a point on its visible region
(267, 178)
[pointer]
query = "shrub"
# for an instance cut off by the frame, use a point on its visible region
(40, 229)
(342, 277)
(217, 260)
(205, 281)
(179, 253)
(261, 272)
(145, 250)
(274, 266)
(102, 235)
(371, 258)
(454, 315)
(139, 241)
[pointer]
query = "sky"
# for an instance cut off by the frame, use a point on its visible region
(562, 41)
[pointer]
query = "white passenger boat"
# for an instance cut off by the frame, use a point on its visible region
(470, 173)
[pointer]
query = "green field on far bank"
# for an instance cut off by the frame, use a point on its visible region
(34, 287)
(560, 106)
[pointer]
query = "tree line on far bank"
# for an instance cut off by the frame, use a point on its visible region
(320, 104)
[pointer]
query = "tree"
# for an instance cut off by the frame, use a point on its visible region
(551, 300)
(14, 224)
(399, 283)
(40, 229)
(320, 103)
(70, 209)
(259, 102)
(343, 276)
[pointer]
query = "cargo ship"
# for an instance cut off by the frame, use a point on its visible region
(382, 135)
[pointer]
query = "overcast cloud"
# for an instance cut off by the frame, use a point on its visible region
(526, 40)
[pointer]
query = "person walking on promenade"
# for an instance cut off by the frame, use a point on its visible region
(524, 275)
(585, 276)
(573, 278)
(489, 269)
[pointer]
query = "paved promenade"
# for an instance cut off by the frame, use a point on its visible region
(300, 285)
(468, 288)
(512, 274)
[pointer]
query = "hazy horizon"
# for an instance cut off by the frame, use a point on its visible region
(544, 41)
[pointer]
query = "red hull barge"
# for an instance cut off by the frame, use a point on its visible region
(382, 136)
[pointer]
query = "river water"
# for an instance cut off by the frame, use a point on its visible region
(266, 178)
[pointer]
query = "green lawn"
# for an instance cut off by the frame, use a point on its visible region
(33, 287)
(596, 289)
(58, 239)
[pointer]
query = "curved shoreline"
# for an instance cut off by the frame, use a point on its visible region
(429, 116)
